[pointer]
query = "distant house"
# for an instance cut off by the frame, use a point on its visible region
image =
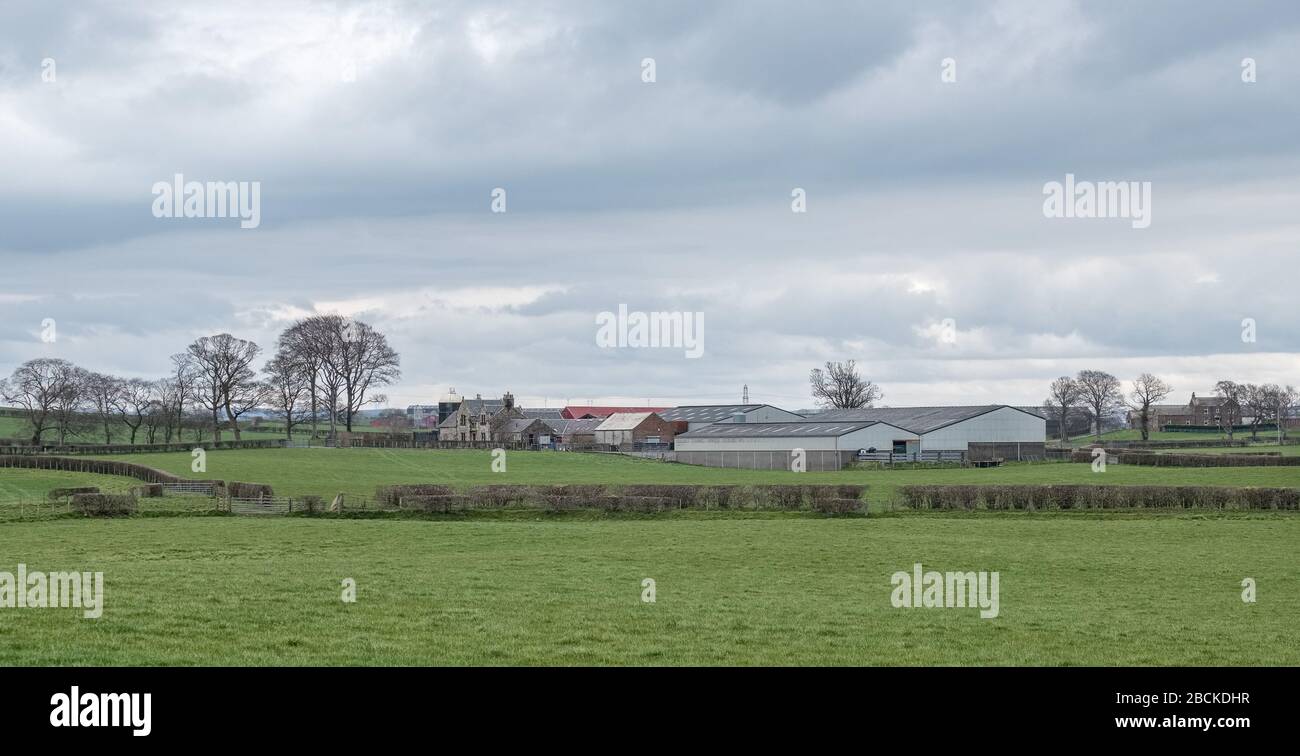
(1160, 415)
(1213, 411)
(625, 429)
(479, 419)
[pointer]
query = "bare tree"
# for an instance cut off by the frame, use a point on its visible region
(288, 387)
(226, 380)
(367, 362)
(1100, 393)
(132, 403)
(182, 387)
(70, 418)
(1147, 390)
(156, 418)
(40, 387)
(306, 343)
(1229, 391)
(1062, 398)
(1261, 402)
(101, 396)
(1286, 399)
(840, 386)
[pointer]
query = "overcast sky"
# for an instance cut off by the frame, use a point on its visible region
(379, 130)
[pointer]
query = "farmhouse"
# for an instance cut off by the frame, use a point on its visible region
(1205, 411)
(780, 446)
(982, 431)
(692, 417)
(627, 429)
(479, 419)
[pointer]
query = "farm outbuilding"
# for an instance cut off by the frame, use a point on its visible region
(982, 432)
(529, 431)
(775, 446)
(571, 434)
(629, 429)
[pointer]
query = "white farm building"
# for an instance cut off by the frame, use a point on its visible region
(775, 446)
(981, 431)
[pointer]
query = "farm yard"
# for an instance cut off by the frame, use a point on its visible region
(732, 587)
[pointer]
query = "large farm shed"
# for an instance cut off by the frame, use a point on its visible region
(982, 432)
(773, 446)
(627, 429)
(692, 417)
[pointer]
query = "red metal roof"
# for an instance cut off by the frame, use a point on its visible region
(578, 411)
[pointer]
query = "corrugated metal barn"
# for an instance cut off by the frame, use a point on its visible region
(982, 431)
(774, 446)
(692, 417)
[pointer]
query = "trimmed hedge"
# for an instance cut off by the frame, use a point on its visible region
(83, 465)
(837, 506)
(104, 505)
(1123, 457)
(23, 446)
(627, 498)
(392, 495)
(435, 503)
(1030, 497)
(63, 493)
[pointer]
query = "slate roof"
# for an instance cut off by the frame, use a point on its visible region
(519, 424)
(542, 412)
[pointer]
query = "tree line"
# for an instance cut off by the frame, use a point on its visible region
(1097, 394)
(325, 368)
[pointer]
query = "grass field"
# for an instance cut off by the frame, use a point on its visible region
(326, 472)
(35, 484)
(1077, 588)
(772, 590)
